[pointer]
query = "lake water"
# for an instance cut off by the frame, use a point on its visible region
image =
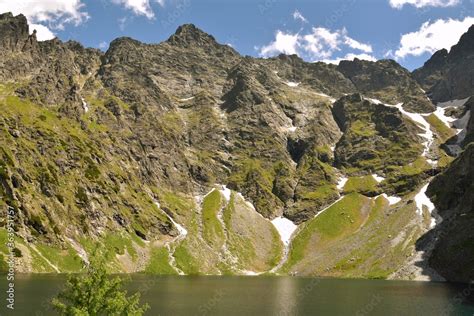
(264, 296)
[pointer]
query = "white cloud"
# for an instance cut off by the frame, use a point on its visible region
(103, 45)
(55, 13)
(398, 4)
(140, 7)
(284, 43)
(358, 45)
(298, 16)
(319, 44)
(432, 37)
(42, 32)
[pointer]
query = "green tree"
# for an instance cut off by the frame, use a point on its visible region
(95, 293)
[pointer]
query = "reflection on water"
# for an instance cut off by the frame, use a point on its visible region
(285, 298)
(265, 296)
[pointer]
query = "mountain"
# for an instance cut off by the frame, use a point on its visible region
(186, 157)
(448, 76)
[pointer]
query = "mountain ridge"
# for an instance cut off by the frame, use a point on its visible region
(158, 151)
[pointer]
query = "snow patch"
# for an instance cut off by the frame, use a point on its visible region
(420, 120)
(181, 230)
(285, 228)
(421, 199)
(447, 120)
(292, 129)
(85, 106)
(378, 178)
(441, 109)
(186, 99)
(341, 183)
(461, 126)
(292, 84)
(226, 193)
(391, 199)
(374, 100)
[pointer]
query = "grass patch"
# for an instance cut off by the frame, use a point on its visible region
(185, 261)
(66, 260)
(159, 262)
(440, 128)
(363, 185)
(212, 228)
(337, 221)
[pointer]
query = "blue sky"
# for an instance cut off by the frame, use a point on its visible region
(406, 30)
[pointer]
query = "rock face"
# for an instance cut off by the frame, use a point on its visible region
(131, 149)
(373, 135)
(387, 81)
(453, 194)
(448, 76)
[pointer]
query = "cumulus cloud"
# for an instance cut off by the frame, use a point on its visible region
(319, 44)
(140, 7)
(433, 36)
(298, 16)
(45, 16)
(398, 4)
(284, 43)
(54, 13)
(42, 32)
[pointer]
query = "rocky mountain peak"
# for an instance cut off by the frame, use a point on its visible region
(189, 34)
(447, 76)
(13, 30)
(465, 46)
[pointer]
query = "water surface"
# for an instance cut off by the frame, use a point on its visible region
(264, 296)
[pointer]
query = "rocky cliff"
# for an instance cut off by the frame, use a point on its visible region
(186, 157)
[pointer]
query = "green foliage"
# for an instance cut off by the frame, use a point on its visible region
(96, 294)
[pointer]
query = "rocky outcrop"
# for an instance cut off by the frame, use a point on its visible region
(448, 76)
(387, 81)
(453, 194)
(373, 135)
(433, 70)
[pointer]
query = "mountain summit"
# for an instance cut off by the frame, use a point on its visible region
(189, 35)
